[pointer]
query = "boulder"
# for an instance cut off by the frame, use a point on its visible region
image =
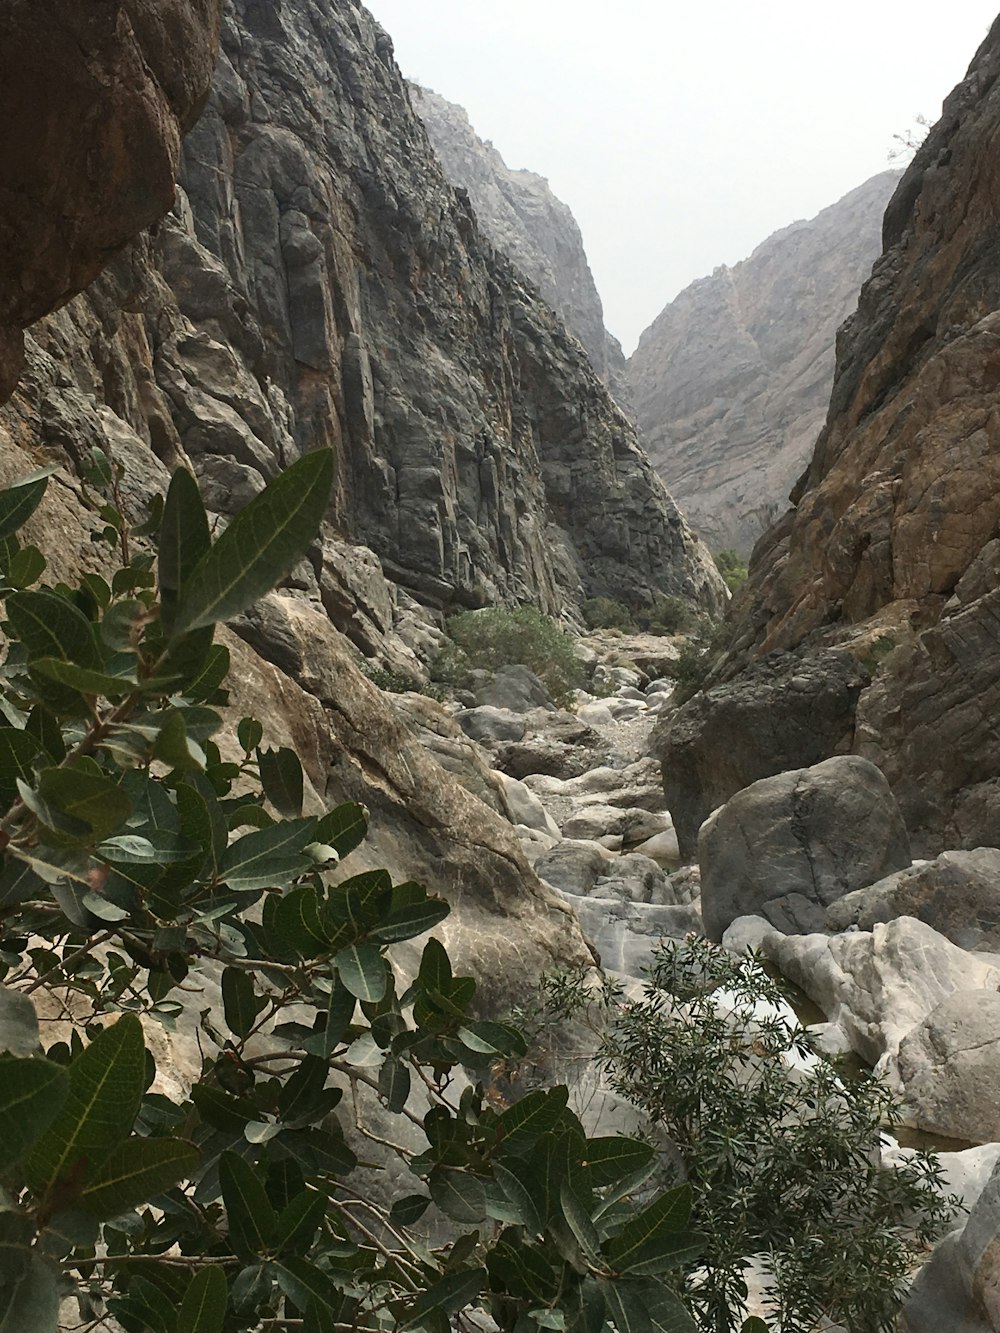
(662, 847)
(525, 808)
(598, 821)
(746, 934)
(573, 867)
(636, 879)
(490, 726)
(958, 1290)
(783, 712)
(515, 688)
(950, 1067)
(788, 846)
(625, 933)
(879, 985)
(958, 894)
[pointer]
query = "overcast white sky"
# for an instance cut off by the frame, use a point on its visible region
(681, 135)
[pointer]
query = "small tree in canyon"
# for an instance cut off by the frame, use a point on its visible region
(146, 866)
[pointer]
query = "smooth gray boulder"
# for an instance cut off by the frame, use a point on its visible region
(950, 1067)
(489, 725)
(516, 688)
(574, 867)
(788, 846)
(625, 933)
(958, 894)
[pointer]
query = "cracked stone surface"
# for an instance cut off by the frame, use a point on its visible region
(950, 1067)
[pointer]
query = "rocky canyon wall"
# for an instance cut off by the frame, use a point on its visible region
(731, 382)
(891, 554)
(523, 218)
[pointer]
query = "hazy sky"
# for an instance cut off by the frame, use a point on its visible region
(681, 135)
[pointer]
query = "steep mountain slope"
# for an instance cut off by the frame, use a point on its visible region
(523, 218)
(731, 381)
(894, 540)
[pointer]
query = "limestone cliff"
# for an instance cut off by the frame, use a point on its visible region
(894, 540)
(731, 381)
(523, 218)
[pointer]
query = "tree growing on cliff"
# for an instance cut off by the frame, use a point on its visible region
(149, 862)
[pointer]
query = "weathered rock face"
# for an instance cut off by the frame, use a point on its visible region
(522, 217)
(896, 520)
(90, 145)
(731, 381)
(340, 293)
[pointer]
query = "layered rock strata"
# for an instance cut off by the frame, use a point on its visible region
(731, 381)
(892, 544)
(523, 218)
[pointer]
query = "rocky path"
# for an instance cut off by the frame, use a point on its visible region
(811, 867)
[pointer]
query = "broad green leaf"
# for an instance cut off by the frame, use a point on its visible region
(240, 1001)
(281, 778)
(451, 1293)
(252, 1220)
(184, 539)
(18, 1023)
(304, 1283)
(625, 1307)
(410, 920)
(106, 1084)
(435, 967)
(20, 500)
(31, 1093)
(338, 1016)
(298, 1222)
(523, 1270)
(537, 1113)
(458, 1194)
(203, 1309)
(363, 971)
(268, 857)
(50, 626)
(615, 1158)
(343, 828)
(88, 681)
(319, 1319)
(80, 796)
(17, 1233)
(261, 545)
(18, 752)
(666, 1217)
(221, 1109)
(138, 1170)
(406, 1212)
(31, 1304)
(394, 1085)
(519, 1197)
(26, 568)
(297, 923)
(753, 1325)
(250, 733)
(305, 1094)
(580, 1222)
(492, 1039)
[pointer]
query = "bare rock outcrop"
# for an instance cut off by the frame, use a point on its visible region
(731, 382)
(522, 217)
(892, 542)
(93, 101)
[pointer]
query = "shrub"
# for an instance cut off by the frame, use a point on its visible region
(782, 1165)
(498, 637)
(733, 568)
(133, 853)
(667, 615)
(606, 613)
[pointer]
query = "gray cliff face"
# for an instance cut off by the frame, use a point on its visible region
(522, 217)
(326, 264)
(732, 380)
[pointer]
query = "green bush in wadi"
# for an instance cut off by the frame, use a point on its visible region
(780, 1152)
(138, 866)
(498, 637)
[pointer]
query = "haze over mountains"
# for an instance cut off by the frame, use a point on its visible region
(730, 383)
